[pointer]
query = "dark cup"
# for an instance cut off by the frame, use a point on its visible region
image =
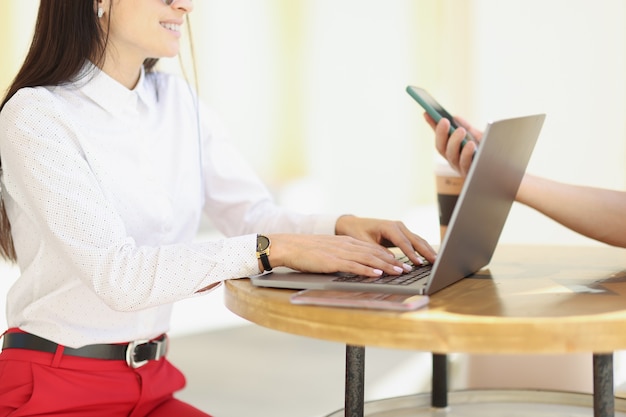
(449, 184)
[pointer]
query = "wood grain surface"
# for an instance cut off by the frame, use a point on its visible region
(530, 299)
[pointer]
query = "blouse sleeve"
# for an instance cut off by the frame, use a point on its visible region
(64, 225)
(236, 199)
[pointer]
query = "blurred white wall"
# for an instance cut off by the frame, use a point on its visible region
(565, 58)
(313, 93)
(324, 80)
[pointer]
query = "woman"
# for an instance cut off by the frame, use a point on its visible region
(107, 168)
(574, 206)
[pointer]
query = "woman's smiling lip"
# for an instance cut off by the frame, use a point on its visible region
(172, 26)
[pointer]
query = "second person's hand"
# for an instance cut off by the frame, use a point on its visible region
(449, 146)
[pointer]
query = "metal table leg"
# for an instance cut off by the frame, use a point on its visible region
(603, 395)
(439, 391)
(355, 381)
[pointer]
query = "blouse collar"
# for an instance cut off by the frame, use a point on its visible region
(108, 92)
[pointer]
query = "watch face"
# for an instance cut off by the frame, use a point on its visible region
(262, 243)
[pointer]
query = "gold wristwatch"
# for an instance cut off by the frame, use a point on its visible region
(263, 250)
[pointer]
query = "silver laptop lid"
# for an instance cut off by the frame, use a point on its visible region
(486, 199)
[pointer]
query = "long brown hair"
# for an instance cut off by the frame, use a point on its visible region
(67, 32)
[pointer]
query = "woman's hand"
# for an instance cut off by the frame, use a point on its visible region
(359, 248)
(386, 233)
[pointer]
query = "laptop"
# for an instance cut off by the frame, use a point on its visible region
(474, 228)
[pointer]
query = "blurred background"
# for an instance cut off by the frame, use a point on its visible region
(313, 92)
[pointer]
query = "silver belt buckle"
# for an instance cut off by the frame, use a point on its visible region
(161, 348)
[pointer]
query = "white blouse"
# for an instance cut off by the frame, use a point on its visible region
(105, 188)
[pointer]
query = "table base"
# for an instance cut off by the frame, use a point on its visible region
(489, 403)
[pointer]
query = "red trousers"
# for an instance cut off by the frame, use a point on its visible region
(34, 383)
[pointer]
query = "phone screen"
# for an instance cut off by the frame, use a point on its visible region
(435, 110)
(432, 104)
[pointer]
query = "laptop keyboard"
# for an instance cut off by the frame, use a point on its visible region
(419, 272)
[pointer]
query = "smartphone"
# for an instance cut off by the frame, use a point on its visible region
(354, 299)
(436, 110)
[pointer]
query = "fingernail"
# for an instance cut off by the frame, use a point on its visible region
(378, 271)
(398, 269)
(407, 267)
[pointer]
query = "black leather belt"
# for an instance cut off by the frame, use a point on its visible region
(136, 353)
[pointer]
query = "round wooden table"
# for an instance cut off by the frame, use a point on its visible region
(530, 299)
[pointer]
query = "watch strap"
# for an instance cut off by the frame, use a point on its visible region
(265, 261)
